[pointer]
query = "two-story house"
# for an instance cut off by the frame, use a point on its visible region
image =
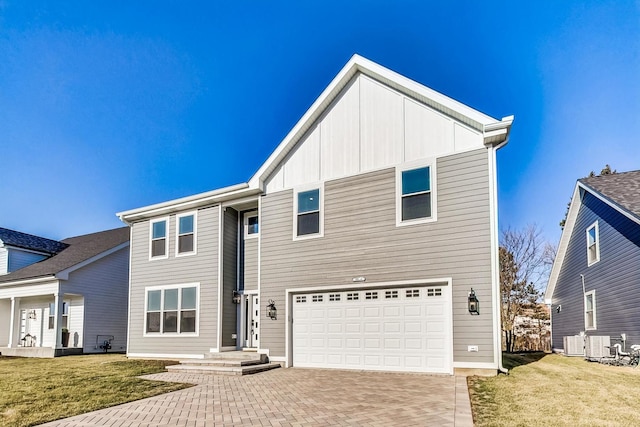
(595, 279)
(367, 240)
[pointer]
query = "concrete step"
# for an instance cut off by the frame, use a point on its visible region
(223, 362)
(222, 370)
(236, 355)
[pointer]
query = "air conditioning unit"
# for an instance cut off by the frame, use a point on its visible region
(573, 345)
(597, 346)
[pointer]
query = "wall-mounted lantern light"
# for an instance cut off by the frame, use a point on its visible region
(474, 304)
(272, 311)
(236, 297)
(32, 314)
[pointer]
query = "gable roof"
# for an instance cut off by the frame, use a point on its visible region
(621, 191)
(495, 132)
(30, 242)
(79, 251)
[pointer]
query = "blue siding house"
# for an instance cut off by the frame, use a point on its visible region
(594, 287)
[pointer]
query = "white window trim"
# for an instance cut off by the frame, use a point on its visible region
(166, 239)
(431, 163)
(171, 334)
(595, 323)
(195, 233)
(320, 233)
(597, 244)
(247, 215)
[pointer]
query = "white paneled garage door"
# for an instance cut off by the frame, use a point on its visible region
(395, 329)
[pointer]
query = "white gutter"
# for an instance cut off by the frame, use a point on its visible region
(185, 203)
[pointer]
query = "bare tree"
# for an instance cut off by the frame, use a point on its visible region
(525, 262)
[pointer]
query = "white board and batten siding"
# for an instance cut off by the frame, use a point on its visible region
(200, 268)
(361, 239)
(368, 127)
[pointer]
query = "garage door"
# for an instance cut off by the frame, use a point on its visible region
(395, 329)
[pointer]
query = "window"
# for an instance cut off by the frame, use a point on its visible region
(186, 235)
(415, 195)
(251, 225)
(159, 242)
(65, 315)
(593, 244)
(308, 213)
(172, 310)
(590, 310)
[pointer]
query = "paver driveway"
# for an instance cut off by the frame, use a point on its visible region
(295, 397)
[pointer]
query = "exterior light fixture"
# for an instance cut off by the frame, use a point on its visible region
(473, 303)
(272, 311)
(236, 297)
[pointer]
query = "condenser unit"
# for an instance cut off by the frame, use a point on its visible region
(574, 345)
(597, 346)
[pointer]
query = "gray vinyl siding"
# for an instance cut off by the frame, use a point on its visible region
(230, 276)
(18, 259)
(103, 285)
(361, 239)
(615, 278)
(250, 264)
(200, 268)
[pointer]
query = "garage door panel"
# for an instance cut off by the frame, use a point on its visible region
(403, 329)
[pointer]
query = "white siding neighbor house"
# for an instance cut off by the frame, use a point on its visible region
(70, 302)
(363, 242)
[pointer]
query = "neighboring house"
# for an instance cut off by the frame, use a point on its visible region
(18, 249)
(355, 245)
(594, 287)
(70, 302)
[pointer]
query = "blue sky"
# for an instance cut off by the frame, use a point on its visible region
(109, 106)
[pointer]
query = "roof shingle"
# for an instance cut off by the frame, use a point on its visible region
(78, 249)
(31, 242)
(623, 189)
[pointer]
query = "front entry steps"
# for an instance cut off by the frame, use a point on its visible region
(226, 363)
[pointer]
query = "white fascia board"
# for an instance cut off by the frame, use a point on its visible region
(358, 64)
(497, 133)
(185, 203)
(572, 215)
(30, 281)
(64, 274)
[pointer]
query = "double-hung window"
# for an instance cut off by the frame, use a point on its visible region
(593, 244)
(415, 195)
(251, 225)
(590, 310)
(308, 213)
(172, 309)
(186, 234)
(65, 315)
(159, 241)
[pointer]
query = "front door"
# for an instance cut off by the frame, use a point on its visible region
(252, 321)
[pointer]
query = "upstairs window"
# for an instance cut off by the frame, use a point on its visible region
(308, 213)
(593, 244)
(590, 310)
(251, 225)
(186, 239)
(415, 195)
(159, 242)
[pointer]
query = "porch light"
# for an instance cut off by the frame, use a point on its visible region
(474, 304)
(236, 297)
(32, 314)
(272, 311)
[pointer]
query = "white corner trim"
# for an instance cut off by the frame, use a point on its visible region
(64, 274)
(220, 275)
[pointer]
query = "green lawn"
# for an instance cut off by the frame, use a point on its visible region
(553, 390)
(34, 391)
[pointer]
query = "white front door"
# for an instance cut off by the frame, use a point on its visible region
(252, 310)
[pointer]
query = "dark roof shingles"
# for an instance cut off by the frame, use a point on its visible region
(622, 189)
(31, 242)
(79, 249)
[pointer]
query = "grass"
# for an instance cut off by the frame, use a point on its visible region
(553, 390)
(35, 391)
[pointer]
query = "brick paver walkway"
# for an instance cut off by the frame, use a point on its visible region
(295, 397)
